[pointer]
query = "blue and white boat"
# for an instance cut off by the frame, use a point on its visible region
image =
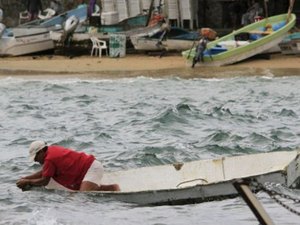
(34, 36)
(80, 13)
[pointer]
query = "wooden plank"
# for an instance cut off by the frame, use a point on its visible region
(253, 203)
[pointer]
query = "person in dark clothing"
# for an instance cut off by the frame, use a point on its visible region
(200, 51)
(33, 7)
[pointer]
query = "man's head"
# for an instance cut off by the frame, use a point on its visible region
(35, 149)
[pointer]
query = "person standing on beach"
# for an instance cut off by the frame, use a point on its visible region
(91, 8)
(71, 169)
(200, 51)
(33, 7)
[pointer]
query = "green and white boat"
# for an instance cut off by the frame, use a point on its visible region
(246, 42)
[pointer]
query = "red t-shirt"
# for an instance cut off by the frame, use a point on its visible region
(66, 166)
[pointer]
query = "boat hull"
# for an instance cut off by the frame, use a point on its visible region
(261, 49)
(146, 44)
(190, 195)
(291, 44)
(35, 40)
(170, 39)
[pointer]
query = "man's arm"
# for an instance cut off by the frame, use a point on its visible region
(34, 176)
(33, 180)
(23, 183)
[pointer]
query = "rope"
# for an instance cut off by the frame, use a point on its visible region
(188, 181)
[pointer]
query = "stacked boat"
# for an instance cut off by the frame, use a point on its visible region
(34, 36)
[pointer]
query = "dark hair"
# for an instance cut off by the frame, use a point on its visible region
(44, 149)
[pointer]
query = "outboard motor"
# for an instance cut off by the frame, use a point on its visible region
(71, 25)
(2, 29)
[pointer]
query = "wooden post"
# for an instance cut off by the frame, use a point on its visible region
(251, 200)
(150, 12)
(290, 10)
(179, 13)
(266, 8)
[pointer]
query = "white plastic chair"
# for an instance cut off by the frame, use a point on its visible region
(96, 11)
(23, 16)
(98, 46)
(49, 13)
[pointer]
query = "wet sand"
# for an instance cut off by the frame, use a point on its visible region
(137, 65)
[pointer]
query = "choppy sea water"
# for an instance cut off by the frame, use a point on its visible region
(130, 123)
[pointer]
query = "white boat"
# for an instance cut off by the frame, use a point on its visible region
(203, 180)
(34, 36)
(21, 41)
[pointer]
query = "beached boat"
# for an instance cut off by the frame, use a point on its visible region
(246, 42)
(176, 39)
(131, 26)
(80, 13)
(34, 36)
(22, 41)
(291, 44)
(200, 181)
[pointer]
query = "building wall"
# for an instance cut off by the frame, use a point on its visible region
(204, 13)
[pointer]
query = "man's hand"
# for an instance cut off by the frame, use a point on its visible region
(27, 182)
(23, 184)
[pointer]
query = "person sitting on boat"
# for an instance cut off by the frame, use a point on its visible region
(253, 11)
(33, 7)
(269, 28)
(70, 170)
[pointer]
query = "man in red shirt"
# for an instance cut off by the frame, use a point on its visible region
(70, 169)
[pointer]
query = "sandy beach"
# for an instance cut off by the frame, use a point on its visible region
(137, 65)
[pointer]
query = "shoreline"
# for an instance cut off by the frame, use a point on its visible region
(142, 65)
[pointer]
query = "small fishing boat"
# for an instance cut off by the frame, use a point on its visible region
(34, 36)
(80, 13)
(176, 39)
(291, 44)
(246, 42)
(200, 181)
(21, 41)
